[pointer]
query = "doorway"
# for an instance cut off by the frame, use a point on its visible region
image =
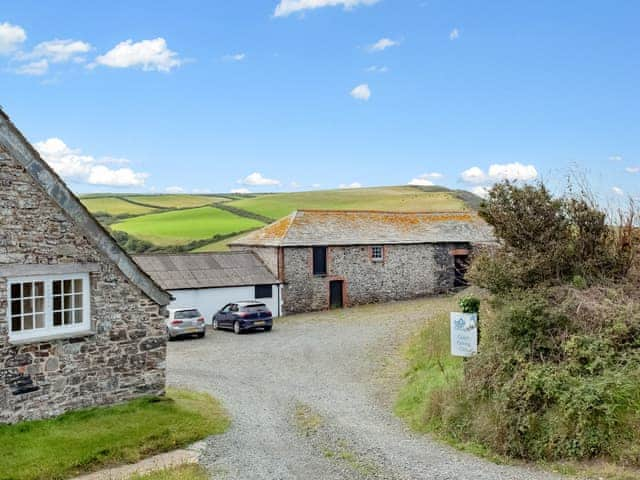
(335, 294)
(461, 263)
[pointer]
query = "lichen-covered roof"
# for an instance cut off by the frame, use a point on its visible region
(338, 227)
(206, 270)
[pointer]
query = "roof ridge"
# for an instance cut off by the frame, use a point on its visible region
(22, 152)
(194, 254)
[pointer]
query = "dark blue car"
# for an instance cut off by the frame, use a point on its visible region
(243, 316)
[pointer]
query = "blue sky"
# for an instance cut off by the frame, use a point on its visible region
(279, 95)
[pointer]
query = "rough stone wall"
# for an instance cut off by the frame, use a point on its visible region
(407, 271)
(125, 356)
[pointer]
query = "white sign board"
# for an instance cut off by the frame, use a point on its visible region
(464, 334)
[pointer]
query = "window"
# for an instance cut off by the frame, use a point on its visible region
(40, 306)
(377, 253)
(263, 291)
(319, 260)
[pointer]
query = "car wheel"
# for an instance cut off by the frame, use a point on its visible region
(215, 324)
(267, 329)
(169, 337)
(201, 334)
(236, 327)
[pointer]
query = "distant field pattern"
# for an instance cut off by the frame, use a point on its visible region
(175, 201)
(114, 206)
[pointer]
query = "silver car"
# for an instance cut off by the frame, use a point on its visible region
(185, 321)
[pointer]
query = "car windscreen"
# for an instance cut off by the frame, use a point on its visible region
(254, 307)
(182, 314)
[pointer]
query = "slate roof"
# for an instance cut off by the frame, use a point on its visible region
(206, 270)
(23, 152)
(331, 227)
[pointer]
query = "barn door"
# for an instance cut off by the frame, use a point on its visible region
(335, 294)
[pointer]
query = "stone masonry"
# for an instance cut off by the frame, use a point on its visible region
(124, 355)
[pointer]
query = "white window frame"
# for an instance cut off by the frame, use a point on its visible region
(375, 258)
(49, 329)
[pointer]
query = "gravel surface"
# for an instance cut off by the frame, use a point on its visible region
(312, 400)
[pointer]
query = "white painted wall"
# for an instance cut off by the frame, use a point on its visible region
(210, 300)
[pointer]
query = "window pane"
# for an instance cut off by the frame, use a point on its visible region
(77, 301)
(57, 319)
(27, 322)
(68, 318)
(39, 320)
(57, 303)
(78, 316)
(27, 306)
(15, 290)
(77, 285)
(39, 289)
(39, 305)
(57, 287)
(68, 301)
(16, 307)
(16, 324)
(27, 289)
(67, 286)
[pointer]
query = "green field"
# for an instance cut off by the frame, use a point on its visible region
(114, 206)
(183, 226)
(402, 199)
(221, 246)
(175, 201)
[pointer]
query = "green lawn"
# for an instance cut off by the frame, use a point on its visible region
(88, 440)
(175, 201)
(183, 226)
(114, 206)
(403, 199)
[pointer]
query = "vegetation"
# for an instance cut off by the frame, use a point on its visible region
(407, 199)
(114, 206)
(557, 376)
(87, 440)
(173, 201)
(180, 227)
(181, 472)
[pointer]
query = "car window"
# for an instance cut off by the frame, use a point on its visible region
(226, 308)
(182, 314)
(234, 308)
(254, 307)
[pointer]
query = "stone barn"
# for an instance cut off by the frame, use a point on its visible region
(330, 259)
(80, 324)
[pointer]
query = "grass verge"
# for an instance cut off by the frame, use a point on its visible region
(86, 440)
(182, 472)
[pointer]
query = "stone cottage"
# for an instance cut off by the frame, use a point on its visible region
(80, 323)
(330, 259)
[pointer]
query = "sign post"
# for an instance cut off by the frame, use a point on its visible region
(464, 334)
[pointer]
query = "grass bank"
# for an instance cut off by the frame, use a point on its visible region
(87, 440)
(182, 472)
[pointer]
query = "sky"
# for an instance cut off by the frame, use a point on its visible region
(285, 95)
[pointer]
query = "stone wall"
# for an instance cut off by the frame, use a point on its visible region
(407, 271)
(123, 357)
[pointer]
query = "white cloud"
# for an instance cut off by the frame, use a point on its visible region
(174, 189)
(383, 44)
(316, 185)
(350, 185)
(59, 51)
(361, 92)
(72, 165)
(615, 158)
(377, 69)
(39, 67)
(287, 7)
(240, 190)
(11, 36)
(424, 180)
(482, 192)
(149, 55)
(512, 171)
(454, 34)
(473, 175)
(632, 169)
(201, 191)
(256, 178)
(236, 57)
(618, 191)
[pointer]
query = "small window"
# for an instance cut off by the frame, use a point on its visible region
(263, 291)
(377, 253)
(319, 260)
(40, 306)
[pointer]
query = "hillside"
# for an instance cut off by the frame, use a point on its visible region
(207, 222)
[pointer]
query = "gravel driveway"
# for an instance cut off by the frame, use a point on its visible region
(312, 400)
